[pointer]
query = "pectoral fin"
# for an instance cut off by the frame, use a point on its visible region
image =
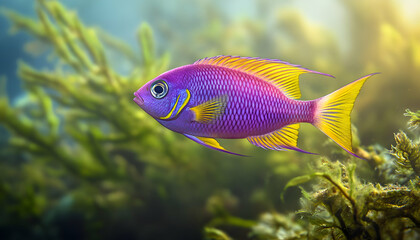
(210, 143)
(210, 110)
(180, 103)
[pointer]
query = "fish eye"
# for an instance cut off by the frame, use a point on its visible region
(159, 89)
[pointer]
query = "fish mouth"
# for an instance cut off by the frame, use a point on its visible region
(139, 100)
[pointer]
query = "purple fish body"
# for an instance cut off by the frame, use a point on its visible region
(235, 97)
(254, 107)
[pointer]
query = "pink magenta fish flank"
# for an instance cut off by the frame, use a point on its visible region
(253, 98)
(254, 107)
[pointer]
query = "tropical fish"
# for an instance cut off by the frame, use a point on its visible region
(235, 97)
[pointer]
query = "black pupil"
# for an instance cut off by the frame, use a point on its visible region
(158, 89)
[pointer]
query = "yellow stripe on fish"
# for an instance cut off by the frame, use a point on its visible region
(172, 110)
(184, 103)
(187, 99)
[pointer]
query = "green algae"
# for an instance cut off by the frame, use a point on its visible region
(341, 205)
(79, 147)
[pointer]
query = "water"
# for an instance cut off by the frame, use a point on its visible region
(80, 160)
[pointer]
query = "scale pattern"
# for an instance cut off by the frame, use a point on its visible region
(254, 106)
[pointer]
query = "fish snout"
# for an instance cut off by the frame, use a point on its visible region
(138, 99)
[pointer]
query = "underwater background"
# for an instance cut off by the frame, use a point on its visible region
(80, 160)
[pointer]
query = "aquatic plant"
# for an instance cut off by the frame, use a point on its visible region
(80, 160)
(82, 96)
(79, 150)
(414, 121)
(407, 154)
(341, 205)
(77, 141)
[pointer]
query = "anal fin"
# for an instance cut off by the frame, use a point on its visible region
(282, 139)
(210, 143)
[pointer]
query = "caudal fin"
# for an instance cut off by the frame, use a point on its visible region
(332, 115)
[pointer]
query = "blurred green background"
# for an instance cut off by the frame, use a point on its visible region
(80, 160)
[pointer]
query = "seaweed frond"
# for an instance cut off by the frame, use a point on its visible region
(342, 207)
(215, 234)
(276, 226)
(407, 153)
(414, 121)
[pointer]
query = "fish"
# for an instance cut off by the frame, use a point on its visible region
(233, 97)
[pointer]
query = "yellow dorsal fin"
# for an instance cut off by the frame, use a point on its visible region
(282, 139)
(283, 75)
(210, 110)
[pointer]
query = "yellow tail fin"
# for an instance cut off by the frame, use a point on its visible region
(332, 115)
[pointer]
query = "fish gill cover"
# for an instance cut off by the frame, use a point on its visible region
(79, 160)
